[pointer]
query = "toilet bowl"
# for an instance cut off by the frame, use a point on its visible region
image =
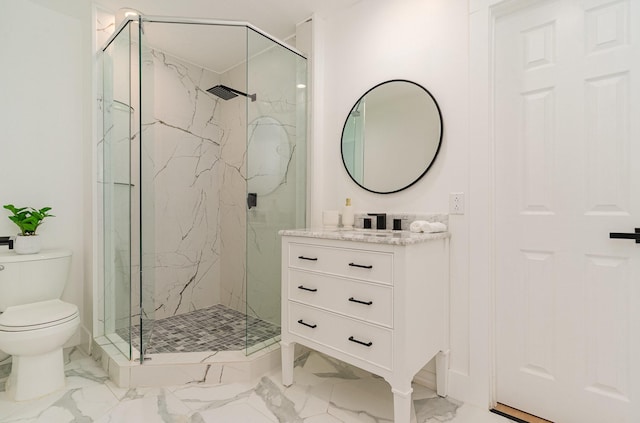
(34, 335)
(35, 323)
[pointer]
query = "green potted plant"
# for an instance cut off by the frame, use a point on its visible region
(28, 220)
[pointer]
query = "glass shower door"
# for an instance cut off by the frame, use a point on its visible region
(117, 191)
(276, 176)
(145, 204)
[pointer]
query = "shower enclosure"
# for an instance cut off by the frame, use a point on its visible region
(203, 161)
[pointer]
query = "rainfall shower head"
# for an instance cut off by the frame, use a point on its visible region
(227, 93)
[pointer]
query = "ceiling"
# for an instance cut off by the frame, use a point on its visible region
(216, 48)
(276, 17)
(221, 48)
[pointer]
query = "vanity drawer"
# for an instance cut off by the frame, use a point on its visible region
(351, 263)
(357, 339)
(360, 300)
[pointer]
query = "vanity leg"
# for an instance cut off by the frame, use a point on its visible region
(442, 373)
(288, 353)
(402, 405)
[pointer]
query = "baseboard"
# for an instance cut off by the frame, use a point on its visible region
(4, 358)
(426, 378)
(86, 340)
(82, 338)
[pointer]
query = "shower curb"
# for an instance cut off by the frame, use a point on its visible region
(185, 368)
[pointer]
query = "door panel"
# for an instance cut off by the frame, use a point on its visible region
(567, 296)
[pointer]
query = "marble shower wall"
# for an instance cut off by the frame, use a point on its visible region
(181, 164)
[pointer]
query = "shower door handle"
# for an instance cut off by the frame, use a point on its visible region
(252, 200)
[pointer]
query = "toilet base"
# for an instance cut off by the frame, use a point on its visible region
(34, 376)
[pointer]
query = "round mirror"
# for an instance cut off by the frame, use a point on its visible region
(391, 136)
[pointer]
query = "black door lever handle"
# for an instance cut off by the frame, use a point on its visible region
(626, 235)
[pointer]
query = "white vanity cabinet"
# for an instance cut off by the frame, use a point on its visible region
(377, 302)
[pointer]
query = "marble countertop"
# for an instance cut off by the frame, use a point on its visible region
(368, 235)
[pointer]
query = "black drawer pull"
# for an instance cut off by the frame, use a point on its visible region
(353, 300)
(307, 289)
(307, 324)
(366, 344)
(360, 265)
(308, 258)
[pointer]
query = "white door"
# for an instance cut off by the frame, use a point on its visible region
(566, 118)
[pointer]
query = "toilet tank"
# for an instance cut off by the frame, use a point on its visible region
(28, 278)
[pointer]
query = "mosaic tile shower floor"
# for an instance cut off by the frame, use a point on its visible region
(216, 328)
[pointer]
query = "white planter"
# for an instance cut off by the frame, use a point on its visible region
(27, 244)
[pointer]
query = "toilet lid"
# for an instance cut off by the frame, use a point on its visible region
(37, 315)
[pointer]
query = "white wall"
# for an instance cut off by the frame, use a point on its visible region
(425, 41)
(45, 126)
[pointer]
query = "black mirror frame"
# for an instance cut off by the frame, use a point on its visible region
(434, 156)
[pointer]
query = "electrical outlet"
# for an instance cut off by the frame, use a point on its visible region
(456, 203)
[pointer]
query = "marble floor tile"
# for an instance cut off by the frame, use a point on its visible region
(325, 391)
(322, 418)
(310, 400)
(148, 406)
(234, 413)
(203, 396)
(362, 400)
(9, 408)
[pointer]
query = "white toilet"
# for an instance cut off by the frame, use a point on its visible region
(34, 323)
